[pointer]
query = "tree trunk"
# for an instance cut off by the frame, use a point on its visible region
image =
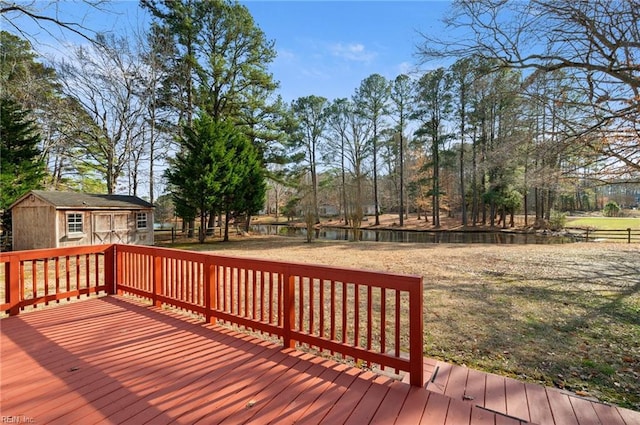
(227, 217)
(401, 216)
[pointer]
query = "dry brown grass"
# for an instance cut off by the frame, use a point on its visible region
(564, 315)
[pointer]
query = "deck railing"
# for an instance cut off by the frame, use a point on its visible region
(43, 276)
(368, 318)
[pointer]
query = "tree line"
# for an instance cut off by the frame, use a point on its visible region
(189, 107)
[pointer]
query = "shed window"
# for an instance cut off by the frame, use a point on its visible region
(74, 223)
(141, 220)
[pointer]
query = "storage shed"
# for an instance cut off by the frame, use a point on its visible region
(48, 219)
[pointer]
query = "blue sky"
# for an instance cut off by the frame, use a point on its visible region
(325, 48)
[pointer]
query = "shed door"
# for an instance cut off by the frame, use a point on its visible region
(110, 228)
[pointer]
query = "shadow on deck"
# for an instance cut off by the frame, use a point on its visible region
(113, 360)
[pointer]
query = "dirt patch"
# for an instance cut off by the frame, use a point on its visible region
(564, 315)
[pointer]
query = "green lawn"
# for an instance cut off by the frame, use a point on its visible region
(604, 223)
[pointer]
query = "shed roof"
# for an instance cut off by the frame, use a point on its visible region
(87, 200)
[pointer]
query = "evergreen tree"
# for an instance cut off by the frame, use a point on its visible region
(218, 169)
(21, 166)
(243, 186)
(193, 175)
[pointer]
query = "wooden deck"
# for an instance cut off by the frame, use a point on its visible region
(112, 360)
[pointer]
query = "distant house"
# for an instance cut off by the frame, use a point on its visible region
(47, 219)
(328, 210)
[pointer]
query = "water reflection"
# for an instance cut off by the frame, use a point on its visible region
(412, 236)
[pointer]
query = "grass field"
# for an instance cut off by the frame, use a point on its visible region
(562, 315)
(605, 223)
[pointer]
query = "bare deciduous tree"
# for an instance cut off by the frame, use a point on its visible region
(597, 42)
(102, 80)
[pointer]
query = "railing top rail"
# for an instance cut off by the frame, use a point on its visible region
(41, 254)
(342, 274)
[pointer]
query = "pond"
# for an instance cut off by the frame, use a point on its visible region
(495, 237)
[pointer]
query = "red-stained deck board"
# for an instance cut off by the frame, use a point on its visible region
(607, 415)
(152, 390)
(302, 405)
(242, 395)
(516, 399)
(508, 420)
(186, 365)
(436, 410)
(261, 398)
(114, 360)
(440, 377)
(584, 411)
(189, 405)
(456, 383)
(291, 402)
(631, 417)
(475, 388)
(459, 413)
(370, 402)
(562, 410)
(481, 416)
(413, 406)
(343, 407)
(539, 408)
(393, 402)
(319, 408)
(495, 396)
(198, 378)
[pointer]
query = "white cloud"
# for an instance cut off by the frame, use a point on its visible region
(352, 51)
(286, 55)
(405, 68)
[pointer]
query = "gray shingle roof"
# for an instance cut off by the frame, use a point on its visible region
(89, 200)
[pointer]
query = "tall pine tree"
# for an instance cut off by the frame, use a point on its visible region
(21, 166)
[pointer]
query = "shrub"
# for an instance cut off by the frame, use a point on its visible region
(612, 209)
(557, 220)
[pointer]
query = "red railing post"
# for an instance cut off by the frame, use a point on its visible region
(416, 335)
(12, 285)
(210, 292)
(289, 308)
(157, 280)
(110, 269)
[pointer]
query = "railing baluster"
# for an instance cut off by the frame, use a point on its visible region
(344, 315)
(262, 286)
(57, 271)
(34, 278)
(271, 293)
(321, 308)
(45, 266)
(397, 324)
(356, 310)
(23, 295)
(369, 316)
(78, 276)
(301, 303)
(332, 306)
(87, 272)
(311, 304)
(383, 320)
